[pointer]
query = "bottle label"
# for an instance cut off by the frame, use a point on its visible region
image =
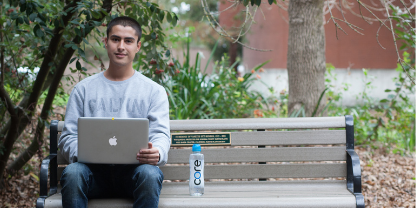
(197, 172)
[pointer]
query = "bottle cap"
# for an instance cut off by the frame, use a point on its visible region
(196, 148)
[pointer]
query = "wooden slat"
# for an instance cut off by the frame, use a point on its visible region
(257, 123)
(252, 123)
(316, 193)
(255, 171)
(285, 154)
(288, 137)
(267, 138)
(274, 138)
(260, 171)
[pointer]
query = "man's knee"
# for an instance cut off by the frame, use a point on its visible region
(148, 174)
(74, 171)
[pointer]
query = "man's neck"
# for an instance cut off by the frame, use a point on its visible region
(115, 73)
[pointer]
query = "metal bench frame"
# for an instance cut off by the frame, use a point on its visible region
(353, 177)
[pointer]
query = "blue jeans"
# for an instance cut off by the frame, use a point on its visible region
(81, 182)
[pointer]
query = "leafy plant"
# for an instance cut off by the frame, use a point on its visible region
(384, 122)
(196, 95)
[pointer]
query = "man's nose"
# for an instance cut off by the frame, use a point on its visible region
(121, 45)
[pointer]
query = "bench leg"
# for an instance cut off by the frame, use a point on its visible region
(40, 202)
(359, 199)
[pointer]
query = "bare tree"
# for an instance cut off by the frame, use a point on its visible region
(306, 49)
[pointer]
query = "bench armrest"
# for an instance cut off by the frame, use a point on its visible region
(51, 161)
(43, 176)
(354, 176)
(43, 179)
(353, 172)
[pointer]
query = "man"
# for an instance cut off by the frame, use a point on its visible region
(117, 92)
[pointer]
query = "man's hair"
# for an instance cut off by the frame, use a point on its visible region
(125, 21)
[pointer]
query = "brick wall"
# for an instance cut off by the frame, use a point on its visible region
(353, 50)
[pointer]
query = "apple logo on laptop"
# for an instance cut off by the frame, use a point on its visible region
(113, 141)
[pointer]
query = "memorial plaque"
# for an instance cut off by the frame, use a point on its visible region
(188, 139)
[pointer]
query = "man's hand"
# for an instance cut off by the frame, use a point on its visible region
(148, 156)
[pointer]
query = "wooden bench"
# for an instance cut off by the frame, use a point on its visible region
(272, 162)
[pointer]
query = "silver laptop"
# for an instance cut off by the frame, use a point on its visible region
(111, 140)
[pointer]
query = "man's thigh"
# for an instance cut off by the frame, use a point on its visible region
(95, 178)
(133, 176)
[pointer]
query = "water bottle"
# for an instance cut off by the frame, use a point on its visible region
(196, 176)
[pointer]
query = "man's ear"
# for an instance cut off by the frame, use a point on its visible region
(139, 45)
(105, 42)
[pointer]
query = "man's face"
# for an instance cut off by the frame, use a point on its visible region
(122, 45)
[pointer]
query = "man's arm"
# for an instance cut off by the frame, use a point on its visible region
(68, 142)
(159, 130)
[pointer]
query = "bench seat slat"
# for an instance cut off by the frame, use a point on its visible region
(286, 154)
(255, 171)
(319, 170)
(257, 123)
(260, 194)
(315, 193)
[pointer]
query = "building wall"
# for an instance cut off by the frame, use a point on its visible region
(349, 53)
(351, 50)
(381, 79)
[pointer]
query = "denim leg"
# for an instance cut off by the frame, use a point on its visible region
(144, 183)
(79, 183)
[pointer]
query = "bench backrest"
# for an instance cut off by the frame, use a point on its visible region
(263, 148)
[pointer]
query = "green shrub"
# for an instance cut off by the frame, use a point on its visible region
(196, 95)
(388, 122)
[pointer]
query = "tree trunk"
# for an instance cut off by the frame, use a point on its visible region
(233, 54)
(306, 56)
(37, 141)
(23, 105)
(19, 124)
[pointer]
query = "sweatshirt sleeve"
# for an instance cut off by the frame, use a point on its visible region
(159, 128)
(68, 142)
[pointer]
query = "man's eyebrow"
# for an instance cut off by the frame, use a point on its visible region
(116, 36)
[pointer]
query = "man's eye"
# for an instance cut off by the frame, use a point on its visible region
(129, 41)
(115, 39)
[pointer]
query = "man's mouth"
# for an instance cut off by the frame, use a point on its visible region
(120, 55)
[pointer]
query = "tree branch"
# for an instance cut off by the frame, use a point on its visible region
(23, 103)
(37, 141)
(2, 56)
(221, 30)
(397, 50)
(38, 138)
(16, 125)
(6, 99)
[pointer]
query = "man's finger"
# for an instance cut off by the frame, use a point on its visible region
(148, 161)
(150, 145)
(148, 151)
(153, 155)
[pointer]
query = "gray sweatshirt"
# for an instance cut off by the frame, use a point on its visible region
(136, 97)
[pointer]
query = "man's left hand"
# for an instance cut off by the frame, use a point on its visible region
(148, 156)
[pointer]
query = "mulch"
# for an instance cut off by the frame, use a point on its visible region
(388, 180)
